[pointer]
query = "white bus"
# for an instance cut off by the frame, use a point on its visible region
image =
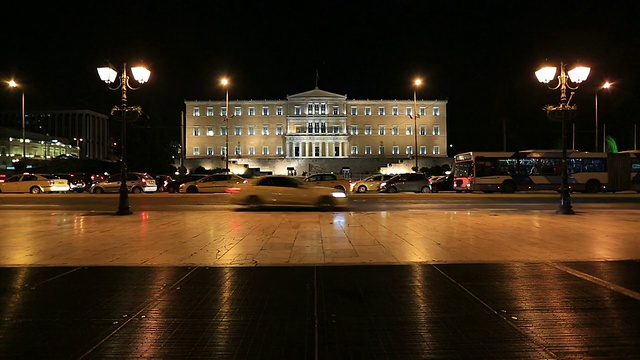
(541, 170)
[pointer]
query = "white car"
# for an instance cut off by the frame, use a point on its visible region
(275, 190)
(136, 183)
(34, 183)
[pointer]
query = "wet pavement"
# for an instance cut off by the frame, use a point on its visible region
(384, 285)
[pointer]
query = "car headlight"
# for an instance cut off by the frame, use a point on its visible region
(383, 184)
(338, 194)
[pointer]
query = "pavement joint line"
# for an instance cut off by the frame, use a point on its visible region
(597, 281)
(534, 339)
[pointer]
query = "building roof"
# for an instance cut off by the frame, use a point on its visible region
(316, 93)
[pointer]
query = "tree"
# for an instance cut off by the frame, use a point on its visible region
(610, 145)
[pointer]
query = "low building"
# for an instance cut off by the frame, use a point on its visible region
(315, 131)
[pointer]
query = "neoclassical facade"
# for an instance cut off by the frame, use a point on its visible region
(315, 131)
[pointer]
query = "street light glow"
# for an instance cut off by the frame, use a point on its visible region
(13, 83)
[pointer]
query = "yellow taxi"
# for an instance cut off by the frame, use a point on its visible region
(34, 183)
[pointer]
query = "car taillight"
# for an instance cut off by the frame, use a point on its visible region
(232, 190)
(144, 181)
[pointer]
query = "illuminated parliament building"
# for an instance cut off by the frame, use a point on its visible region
(315, 131)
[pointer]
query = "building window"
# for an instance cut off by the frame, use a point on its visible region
(252, 111)
(209, 150)
(423, 129)
(252, 150)
(436, 129)
(323, 109)
(367, 110)
(223, 111)
(210, 131)
(336, 110)
(354, 110)
(196, 131)
(251, 130)
(381, 150)
(409, 111)
(299, 129)
(237, 111)
(297, 110)
(279, 129)
(354, 129)
(409, 150)
(382, 130)
(196, 111)
(354, 150)
(265, 110)
(279, 110)
(381, 110)
(265, 129)
(196, 151)
(395, 150)
(436, 150)
(223, 150)
(394, 111)
(278, 150)
(423, 150)
(436, 111)
(238, 150)
(209, 110)
(316, 108)
(368, 129)
(265, 150)
(394, 130)
(423, 111)
(409, 130)
(367, 150)
(237, 130)
(309, 109)
(223, 130)
(336, 129)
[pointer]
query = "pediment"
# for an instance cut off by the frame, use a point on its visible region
(316, 93)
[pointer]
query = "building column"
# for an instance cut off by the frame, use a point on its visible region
(340, 149)
(306, 149)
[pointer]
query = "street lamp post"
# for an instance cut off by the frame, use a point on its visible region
(13, 84)
(417, 83)
(562, 113)
(225, 83)
(78, 141)
(606, 85)
(108, 74)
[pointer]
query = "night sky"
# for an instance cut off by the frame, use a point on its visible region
(480, 55)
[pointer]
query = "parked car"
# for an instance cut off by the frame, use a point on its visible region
(414, 182)
(442, 183)
(330, 180)
(216, 183)
(372, 183)
(136, 183)
(34, 183)
(276, 190)
(174, 185)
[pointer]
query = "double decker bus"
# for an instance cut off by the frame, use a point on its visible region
(531, 170)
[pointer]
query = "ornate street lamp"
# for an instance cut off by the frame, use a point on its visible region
(225, 83)
(125, 113)
(13, 84)
(562, 113)
(417, 83)
(606, 85)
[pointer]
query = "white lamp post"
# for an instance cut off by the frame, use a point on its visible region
(417, 83)
(108, 74)
(606, 85)
(562, 113)
(225, 83)
(13, 84)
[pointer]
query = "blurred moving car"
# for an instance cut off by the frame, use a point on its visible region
(174, 185)
(34, 183)
(411, 182)
(276, 190)
(136, 183)
(372, 183)
(330, 180)
(442, 183)
(76, 184)
(216, 183)
(162, 181)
